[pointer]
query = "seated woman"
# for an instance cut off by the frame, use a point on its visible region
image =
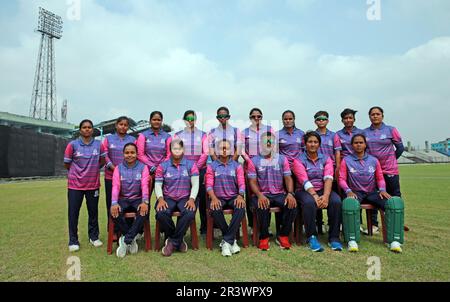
(314, 173)
(129, 194)
(269, 177)
(176, 189)
(225, 184)
(361, 178)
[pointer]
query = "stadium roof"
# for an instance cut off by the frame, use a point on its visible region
(45, 126)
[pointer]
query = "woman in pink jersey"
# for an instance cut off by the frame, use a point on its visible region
(154, 145)
(361, 178)
(176, 189)
(196, 149)
(113, 145)
(225, 184)
(130, 193)
(83, 159)
(385, 143)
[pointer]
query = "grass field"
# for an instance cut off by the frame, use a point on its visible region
(33, 243)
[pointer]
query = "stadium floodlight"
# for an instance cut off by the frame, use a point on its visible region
(50, 24)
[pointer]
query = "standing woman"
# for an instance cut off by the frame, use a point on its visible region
(225, 184)
(130, 195)
(361, 178)
(113, 145)
(176, 189)
(252, 147)
(314, 173)
(196, 149)
(385, 143)
(290, 138)
(83, 158)
(154, 144)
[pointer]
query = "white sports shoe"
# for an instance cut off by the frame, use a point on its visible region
(96, 243)
(74, 248)
(122, 249)
(226, 252)
(235, 248)
(353, 246)
(395, 246)
(133, 247)
(139, 236)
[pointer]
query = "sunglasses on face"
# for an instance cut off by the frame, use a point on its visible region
(321, 119)
(221, 116)
(268, 141)
(190, 118)
(254, 117)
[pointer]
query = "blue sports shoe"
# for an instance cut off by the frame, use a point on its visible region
(314, 244)
(335, 246)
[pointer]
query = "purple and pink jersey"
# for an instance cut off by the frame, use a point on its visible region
(292, 144)
(218, 134)
(343, 140)
(328, 146)
(308, 171)
(226, 180)
(361, 175)
(176, 179)
(195, 146)
(269, 173)
(130, 183)
(113, 145)
(252, 140)
(153, 148)
(84, 160)
(380, 143)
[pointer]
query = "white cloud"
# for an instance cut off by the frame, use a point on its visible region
(110, 64)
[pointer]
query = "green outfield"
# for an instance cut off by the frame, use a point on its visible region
(33, 243)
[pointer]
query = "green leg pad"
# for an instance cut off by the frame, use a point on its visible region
(394, 216)
(351, 219)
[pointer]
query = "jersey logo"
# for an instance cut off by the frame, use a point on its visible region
(299, 140)
(168, 175)
(232, 173)
(112, 146)
(138, 176)
(95, 152)
(283, 141)
(383, 136)
(148, 141)
(371, 169)
(261, 169)
(330, 143)
(163, 141)
(352, 170)
(185, 172)
(78, 154)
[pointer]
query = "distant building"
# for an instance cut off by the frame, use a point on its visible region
(38, 125)
(442, 147)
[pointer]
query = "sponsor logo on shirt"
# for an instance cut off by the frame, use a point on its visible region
(352, 170)
(330, 143)
(383, 136)
(138, 176)
(299, 140)
(163, 141)
(232, 173)
(168, 175)
(112, 146)
(78, 154)
(185, 172)
(371, 169)
(283, 141)
(95, 152)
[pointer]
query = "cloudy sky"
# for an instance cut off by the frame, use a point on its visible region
(135, 56)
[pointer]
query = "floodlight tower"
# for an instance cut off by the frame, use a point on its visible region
(43, 99)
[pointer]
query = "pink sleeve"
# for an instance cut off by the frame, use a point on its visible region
(251, 168)
(343, 176)
(240, 179)
(68, 154)
(209, 178)
(329, 168)
(194, 170)
(299, 171)
(105, 147)
(337, 142)
(159, 176)
(286, 167)
(168, 142)
(140, 142)
(380, 178)
(204, 157)
(116, 187)
(396, 137)
(103, 151)
(145, 180)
